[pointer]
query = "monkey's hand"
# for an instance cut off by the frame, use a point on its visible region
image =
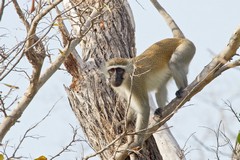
(179, 93)
(136, 146)
(123, 124)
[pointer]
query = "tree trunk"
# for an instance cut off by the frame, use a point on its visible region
(95, 105)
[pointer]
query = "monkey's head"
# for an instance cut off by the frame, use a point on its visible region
(117, 70)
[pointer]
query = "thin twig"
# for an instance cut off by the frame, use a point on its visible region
(70, 144)
(232, 110)
(30, 129)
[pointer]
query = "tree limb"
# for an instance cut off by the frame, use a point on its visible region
(31, 91)
(20, 14)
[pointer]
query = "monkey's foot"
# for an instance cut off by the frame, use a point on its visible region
(179, 93)
(158, 112)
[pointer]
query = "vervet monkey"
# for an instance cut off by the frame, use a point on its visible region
(149, 71)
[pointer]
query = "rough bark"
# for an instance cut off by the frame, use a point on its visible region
(94, 103)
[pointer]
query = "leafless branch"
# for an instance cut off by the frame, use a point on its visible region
(232, 110)
(70, 144)
(185, 149)
(26, 135)
(236, 148)
(229, 66)
(13, 61)
(221, 141)
(3, 107)
(39, 82)
(20, 14)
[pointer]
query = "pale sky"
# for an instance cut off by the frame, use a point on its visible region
(208, 23)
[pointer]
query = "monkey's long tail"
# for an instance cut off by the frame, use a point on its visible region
(177, 33)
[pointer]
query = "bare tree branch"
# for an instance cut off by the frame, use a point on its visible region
(33, 88)
(232, 110)
(20, 14)
(12, 62)
(70, 144)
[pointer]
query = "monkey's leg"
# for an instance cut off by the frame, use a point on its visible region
(161, 96)
(179, 63)
(178, 66)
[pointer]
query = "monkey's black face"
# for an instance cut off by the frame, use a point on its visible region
(116, 76)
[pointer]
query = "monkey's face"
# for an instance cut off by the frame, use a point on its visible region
(116, 76)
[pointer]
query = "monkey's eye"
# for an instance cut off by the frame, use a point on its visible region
(112, 70)
(120, 71)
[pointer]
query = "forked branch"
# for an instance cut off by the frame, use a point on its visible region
(31, 91)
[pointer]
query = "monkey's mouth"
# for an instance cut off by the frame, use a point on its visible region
(116, 84)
